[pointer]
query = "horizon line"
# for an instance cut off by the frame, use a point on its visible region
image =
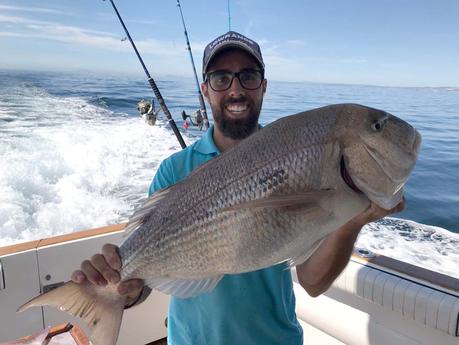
(169, 75)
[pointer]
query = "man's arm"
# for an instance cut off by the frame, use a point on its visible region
(317, 273)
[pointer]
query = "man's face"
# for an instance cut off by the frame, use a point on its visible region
(236, 110)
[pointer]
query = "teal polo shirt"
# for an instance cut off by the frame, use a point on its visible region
(251, 308)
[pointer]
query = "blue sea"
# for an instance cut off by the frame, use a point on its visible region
(75, 154)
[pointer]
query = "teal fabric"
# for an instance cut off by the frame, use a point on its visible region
(251, 308)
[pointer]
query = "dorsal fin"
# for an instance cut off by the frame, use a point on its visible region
(140, 215)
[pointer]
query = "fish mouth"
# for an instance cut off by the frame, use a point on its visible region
(417, 142)
(347, 177)
(381, 200)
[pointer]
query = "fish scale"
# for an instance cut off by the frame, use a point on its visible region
(241, 186)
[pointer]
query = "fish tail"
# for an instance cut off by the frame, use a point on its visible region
(101, 308)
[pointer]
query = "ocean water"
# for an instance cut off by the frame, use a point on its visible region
(74, 155)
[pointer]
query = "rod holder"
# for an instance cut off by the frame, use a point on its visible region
(2, 277)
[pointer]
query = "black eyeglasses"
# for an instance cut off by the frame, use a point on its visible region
(250, 79)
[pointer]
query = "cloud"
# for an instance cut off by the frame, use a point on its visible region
(288, 61)
(12, 34)
(284, 59)
(24, 23)
(263, 42)
(248, 28)
(296, 43)
(30, 9)
(353, 60)
(12, 19)
(140, 21)
(28, 28)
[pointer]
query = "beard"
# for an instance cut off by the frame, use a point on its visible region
(236, 129)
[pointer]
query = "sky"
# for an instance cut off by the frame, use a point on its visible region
(374, 42)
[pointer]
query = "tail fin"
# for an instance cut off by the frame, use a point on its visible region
(101, 308)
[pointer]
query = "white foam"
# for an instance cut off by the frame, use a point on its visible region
(423, 245)
(77, 169)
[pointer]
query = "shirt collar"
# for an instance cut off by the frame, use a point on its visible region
(207, 145)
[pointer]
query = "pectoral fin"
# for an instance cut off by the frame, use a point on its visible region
(303, 256)
(184, 288)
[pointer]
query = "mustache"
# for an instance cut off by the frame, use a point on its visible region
(235, 100)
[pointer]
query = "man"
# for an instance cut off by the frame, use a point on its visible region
(251, 308)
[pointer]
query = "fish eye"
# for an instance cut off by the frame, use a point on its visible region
(378, 125)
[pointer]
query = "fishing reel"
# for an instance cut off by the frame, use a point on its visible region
(147, 111)
(196, 119)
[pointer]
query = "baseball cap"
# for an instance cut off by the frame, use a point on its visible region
(231, 39)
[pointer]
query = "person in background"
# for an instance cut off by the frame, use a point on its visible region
(250, 308)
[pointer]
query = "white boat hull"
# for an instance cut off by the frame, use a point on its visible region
(368, 304)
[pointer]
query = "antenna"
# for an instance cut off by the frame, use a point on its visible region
(229, 16)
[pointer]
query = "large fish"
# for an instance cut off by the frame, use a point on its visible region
(272, 198)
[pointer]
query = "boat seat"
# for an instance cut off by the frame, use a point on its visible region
(431, 307)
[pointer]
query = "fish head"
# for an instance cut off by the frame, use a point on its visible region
(379, 151)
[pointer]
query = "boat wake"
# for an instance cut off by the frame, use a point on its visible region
(427, 246)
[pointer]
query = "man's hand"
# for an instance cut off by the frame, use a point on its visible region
(104, 268)
(318, 272)
(375, 212)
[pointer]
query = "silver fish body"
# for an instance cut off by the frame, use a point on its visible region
(215, 222)
(272, 198)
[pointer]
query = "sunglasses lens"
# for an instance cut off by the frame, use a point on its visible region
(220, 80)
(249, 79)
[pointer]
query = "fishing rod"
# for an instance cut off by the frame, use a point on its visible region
(201, 99)
(152, 83)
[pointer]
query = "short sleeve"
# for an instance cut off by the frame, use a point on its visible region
(164, 177)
